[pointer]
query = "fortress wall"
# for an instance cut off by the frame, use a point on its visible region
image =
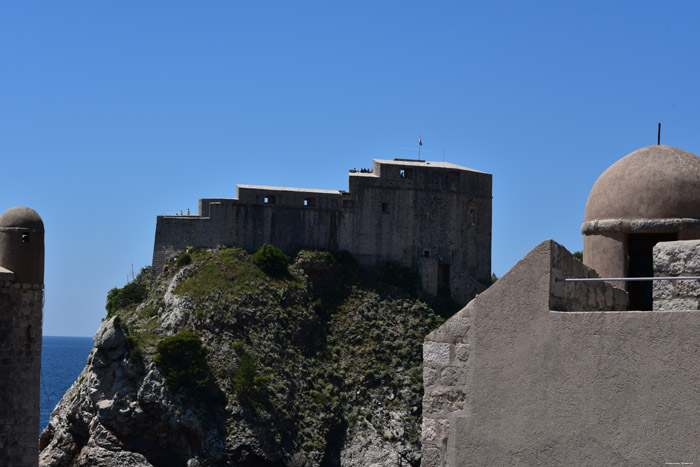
(288, 197)
(247, 226)
(20, 363)
(205, 203)
(397, 213)
(680, 258)
(510, 382)
(174, 234)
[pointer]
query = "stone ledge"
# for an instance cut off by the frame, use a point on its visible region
(639, 225)
(6, 274)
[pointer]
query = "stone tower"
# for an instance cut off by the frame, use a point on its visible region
(21, 305)
(647, 197)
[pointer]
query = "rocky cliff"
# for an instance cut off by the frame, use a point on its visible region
(228, 360)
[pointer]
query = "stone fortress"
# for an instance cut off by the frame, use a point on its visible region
(538, 370)
(21, 307)
(432, 217)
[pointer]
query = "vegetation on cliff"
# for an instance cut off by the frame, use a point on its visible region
(294, 362)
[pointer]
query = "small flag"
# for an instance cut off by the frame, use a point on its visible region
(420, 141)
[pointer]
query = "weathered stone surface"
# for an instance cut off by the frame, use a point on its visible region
(437, 352)
(678, 304)
(430, 375)
(532, 372)
(679, 258)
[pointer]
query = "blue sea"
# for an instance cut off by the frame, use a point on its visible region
(62, 360)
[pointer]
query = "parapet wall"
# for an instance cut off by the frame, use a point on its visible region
(510, 381)
(680, 258)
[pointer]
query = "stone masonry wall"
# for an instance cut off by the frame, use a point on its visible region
(418, 214)
(449, 351)
(680, 258)
(446, 368)
(581, 296)
(20, 366)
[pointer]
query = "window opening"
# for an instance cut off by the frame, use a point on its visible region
(426, 254)
(385, 208)
(406, 173)
(269, 199)
(641, 264)
(443, 280)
(309, 202)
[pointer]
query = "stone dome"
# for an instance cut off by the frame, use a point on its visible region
(656, 182)
(22, 217)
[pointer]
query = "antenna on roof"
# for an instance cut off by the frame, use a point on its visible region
(420, 143)
(658, 136)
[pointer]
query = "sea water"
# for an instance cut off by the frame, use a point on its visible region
(62, 360)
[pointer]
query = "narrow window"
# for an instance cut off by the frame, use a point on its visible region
(269, 199)
(426, 254)
(406, 173)
(310, 202)
(473, 213)
(25, 237)
(385, 208)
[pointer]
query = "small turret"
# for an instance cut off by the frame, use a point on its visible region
(22, 244)
(21, 310)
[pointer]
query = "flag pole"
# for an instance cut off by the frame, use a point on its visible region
(420, 143)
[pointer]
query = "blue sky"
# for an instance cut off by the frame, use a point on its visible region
(112, 113)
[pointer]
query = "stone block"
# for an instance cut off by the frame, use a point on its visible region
(663, 290)
(431, 457)
(678, 304)
(430, 376)
(437, 352)
(462, 352)
(428, 430)
(443, 402)
(686, 288)
(453, 376)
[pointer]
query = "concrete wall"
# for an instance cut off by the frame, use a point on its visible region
(509, 381)
(428, 216)
(680, 258)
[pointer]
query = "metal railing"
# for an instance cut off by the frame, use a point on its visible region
(628, 279)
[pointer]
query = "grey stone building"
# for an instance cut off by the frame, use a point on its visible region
(21, 306)
(433, 217)
(538, 371)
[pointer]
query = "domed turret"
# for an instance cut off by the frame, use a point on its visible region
(22, 244)
(656, 182)
(649, 196)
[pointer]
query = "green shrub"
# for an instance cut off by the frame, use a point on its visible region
(132, 293)
(184, 260)
(183, 361)
(271, 260)
(248, 387)
(135, 351)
